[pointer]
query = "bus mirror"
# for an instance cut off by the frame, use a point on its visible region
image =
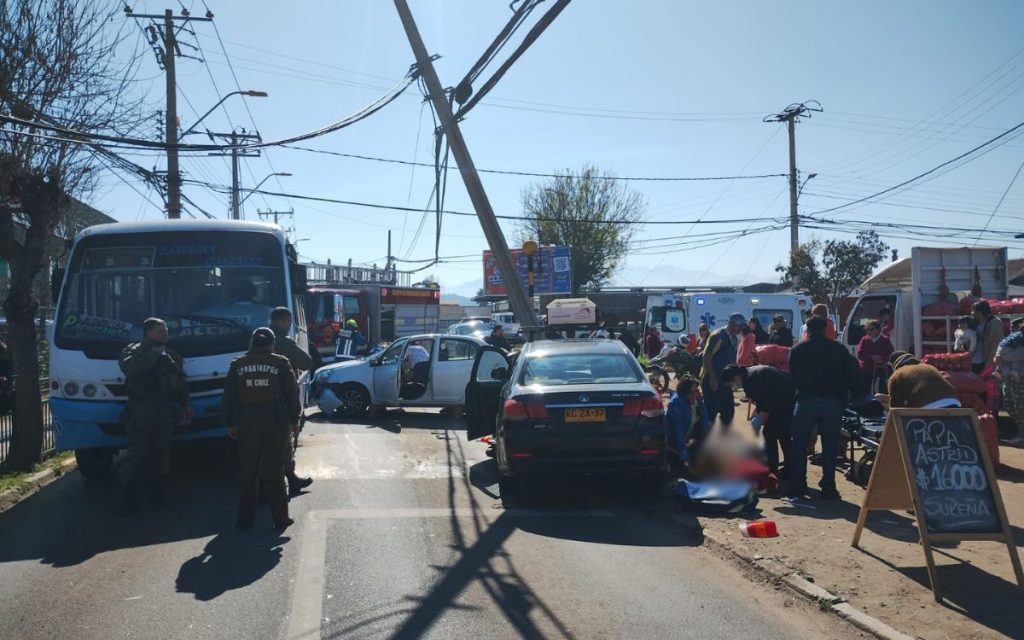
(56, 279)
(299, 283)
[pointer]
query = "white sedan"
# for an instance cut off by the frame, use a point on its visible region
(401, 376)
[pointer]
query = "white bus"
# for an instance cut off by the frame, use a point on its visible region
(212, 281)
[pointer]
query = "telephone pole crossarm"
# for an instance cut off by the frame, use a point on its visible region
(234, 138)
(791, 115)
(168, 39)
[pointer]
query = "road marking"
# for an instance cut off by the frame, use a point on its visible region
(307, 596)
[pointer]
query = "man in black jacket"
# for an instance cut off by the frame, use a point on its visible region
(773, 394)
(780, 334)
(826, 376)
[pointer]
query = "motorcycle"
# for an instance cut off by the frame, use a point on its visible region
(673, 358)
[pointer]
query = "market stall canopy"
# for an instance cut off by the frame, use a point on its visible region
(893, 274)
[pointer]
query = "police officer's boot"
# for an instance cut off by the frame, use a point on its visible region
(127, 502)
(296, 484)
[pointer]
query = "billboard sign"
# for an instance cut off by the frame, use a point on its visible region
(552, 271)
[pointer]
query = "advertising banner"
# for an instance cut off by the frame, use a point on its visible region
(552, 271)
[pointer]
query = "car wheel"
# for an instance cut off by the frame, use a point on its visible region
(510, 490)
(355, 400)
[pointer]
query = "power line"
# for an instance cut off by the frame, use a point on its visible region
(537, 174)
(904, 205)
(949, 108)
(530, 38)
(70, 135)
(559, 109)
(923, 175)
(225, 189)
(252, 119)
(1008, 187)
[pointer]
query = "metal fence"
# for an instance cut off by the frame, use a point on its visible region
(7, 425)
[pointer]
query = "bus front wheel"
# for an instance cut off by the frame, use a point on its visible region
(94, 464)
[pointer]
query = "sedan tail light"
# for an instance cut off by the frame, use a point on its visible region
(516, 411)
(647, 406)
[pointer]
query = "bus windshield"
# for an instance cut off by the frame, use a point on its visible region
(212, 287)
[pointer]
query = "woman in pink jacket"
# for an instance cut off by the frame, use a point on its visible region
(745, 350)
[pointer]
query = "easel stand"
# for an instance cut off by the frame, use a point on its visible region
(937, 443)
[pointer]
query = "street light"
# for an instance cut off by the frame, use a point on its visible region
(283, 174)
(804, 184)
(250, 93)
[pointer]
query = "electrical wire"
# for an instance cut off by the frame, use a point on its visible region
(227, 189)
(530, 38)
(70, 135)
(964, 155)
(998, 204)
(252, 119)
(536, 174)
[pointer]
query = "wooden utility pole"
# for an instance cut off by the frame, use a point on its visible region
(791, 115)
(171, 120)
(521, 305)
(235, 138)
(168, 40)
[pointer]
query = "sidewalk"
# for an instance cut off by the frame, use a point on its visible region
(886, 578)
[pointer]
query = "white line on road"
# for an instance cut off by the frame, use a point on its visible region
(307, 597)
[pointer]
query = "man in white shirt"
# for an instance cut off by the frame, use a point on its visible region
(414, 354)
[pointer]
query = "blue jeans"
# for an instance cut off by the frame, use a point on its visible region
(827, 415)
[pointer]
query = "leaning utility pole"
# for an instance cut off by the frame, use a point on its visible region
(166, 59)
(521, 305)
(791, 115)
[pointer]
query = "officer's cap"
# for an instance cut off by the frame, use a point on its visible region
(262, 337)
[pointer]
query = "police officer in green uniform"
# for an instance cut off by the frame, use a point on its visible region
(260, 405)
(157, 399)
(281, 324)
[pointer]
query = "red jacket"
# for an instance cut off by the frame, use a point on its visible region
(745, 351)
(868, 347)
(652, 345)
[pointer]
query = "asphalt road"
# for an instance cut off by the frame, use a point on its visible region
(403, 535)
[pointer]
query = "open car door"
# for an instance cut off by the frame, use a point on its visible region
(489, 376)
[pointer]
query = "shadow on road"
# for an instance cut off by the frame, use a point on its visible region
(231, 560)
(481, 558)
(976, 594)
(71, 520)
(394, 420)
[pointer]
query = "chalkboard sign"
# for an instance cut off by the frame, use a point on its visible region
(951, 479)
(934, 462)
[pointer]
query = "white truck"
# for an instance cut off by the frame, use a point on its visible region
(931, 274)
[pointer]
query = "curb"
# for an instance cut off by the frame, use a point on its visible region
(34, 483)
(795, 582)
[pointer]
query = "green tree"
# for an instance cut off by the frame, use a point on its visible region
(59, 64)
(830, 270)
(587, 210)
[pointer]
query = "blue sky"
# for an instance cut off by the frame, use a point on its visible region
(662, 88)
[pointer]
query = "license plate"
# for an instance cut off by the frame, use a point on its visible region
(585, 415)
